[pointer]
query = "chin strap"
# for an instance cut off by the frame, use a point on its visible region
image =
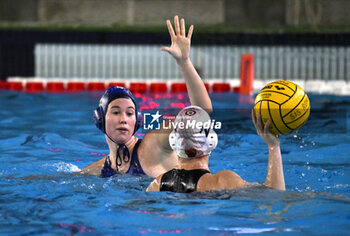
(126, 155)
(107, 170)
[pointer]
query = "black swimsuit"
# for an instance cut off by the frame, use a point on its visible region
(181, 181)
(134, 168)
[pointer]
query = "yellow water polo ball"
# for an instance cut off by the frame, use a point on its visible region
(285, 104)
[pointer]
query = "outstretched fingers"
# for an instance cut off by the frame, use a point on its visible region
(190, 31)
(177, 25)
(180, 28)
(180, 44)
(170, 29)
(183, 28)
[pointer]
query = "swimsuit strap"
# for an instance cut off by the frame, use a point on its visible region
(107, 170)
(135, 166)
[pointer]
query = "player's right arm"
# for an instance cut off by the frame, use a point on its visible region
(275, 176)
(180, 50)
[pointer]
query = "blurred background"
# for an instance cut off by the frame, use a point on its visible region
(121, 39)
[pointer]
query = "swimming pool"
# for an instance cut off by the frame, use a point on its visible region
(46, 137)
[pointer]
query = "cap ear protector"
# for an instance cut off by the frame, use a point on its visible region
(99, 118)
(191, 141)
(177, 143)
(111, 94)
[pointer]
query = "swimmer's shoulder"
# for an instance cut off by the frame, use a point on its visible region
(224, 179)
(94, 168)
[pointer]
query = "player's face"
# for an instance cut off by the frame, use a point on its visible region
(120, 120)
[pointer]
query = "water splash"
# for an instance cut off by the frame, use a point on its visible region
(64, 167)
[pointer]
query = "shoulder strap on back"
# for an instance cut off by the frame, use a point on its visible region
(107, 170)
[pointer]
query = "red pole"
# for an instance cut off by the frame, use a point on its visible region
(247, 74)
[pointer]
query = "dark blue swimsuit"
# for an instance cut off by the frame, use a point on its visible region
(134, 169)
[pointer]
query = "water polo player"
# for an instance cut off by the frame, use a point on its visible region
(118, 117)
(193, 146)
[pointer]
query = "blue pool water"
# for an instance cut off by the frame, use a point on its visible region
(45, 138)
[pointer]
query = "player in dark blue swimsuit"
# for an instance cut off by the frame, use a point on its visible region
(121, 154)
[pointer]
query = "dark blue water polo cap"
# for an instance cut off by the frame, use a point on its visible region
(111, 94)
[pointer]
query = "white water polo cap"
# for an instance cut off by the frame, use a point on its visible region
(193, 135)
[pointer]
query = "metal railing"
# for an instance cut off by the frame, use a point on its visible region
(212, 62)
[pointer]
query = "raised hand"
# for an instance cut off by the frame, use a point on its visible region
(180, 43)
(264, 132)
